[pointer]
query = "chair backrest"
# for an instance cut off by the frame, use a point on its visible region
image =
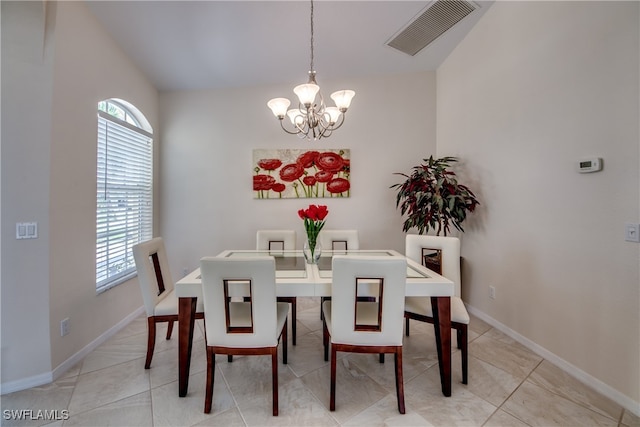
(339, 240)
(368, 323)
(221, 278)
(153, 272)
(417, 245)
(276, 240)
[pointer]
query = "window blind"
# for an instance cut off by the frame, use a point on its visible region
(124, 215)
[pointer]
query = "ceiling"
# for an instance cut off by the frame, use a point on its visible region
(188, 45)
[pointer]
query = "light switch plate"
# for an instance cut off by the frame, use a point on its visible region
(26, 230)
(632, 232)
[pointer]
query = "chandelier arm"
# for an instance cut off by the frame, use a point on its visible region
(286, 130)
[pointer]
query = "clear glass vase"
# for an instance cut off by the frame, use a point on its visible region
(312, 255)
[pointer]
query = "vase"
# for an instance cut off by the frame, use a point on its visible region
(312, 254)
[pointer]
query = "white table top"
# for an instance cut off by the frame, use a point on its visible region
(295, 278)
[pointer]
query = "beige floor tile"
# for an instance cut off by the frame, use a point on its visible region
(249, 378)
(552, 378)
(488, 382)
(131, 411)
(164, 365)
(48, 397)
(355, 391)
(630, 420)
(108, 385)
(385, 413)
(537, 406)
(115, 351)
(171, 410)
(505, 353)
(508, 385)
(307, 355)
(297, 407)
(229, 418)
(502, 419)
(423, 395)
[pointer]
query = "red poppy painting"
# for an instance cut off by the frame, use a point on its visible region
(289, 173)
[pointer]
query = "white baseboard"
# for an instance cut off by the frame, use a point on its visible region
(589, 380)
(25, 383)
(48, 377)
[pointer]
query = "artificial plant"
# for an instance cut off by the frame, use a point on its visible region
(432, 199)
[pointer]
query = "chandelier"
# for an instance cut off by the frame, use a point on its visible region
(312, 118)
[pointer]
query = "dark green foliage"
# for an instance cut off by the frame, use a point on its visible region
(432, 198)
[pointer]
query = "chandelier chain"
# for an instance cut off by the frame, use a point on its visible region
(311, 66)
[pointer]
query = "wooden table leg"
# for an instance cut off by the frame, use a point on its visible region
(441, 307)
(186, 323)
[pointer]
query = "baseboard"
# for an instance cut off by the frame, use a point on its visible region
(587, 379)
(48, 377)
(25, 383)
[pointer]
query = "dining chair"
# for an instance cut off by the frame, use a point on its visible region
(274, 241)
(420, 248)
(158, 294)
(338, 240)
(357, 326)
(252, 326)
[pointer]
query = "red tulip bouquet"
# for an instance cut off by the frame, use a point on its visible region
(313, 218)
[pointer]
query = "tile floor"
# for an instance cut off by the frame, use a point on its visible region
(508, 386)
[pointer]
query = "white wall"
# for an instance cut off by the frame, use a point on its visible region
(533, 88)
(49, 173)
(26, 144)
(208, 138)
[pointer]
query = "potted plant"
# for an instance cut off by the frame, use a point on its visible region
(432, 199)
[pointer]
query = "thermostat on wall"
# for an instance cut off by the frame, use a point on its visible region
(593, 164)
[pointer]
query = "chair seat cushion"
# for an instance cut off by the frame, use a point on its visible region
(168, 306)
(422, 307)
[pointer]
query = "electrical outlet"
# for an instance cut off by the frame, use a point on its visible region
(492, 292)
(64, 327)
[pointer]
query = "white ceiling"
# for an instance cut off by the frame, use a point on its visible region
(184, 45)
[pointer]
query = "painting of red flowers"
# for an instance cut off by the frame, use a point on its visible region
(295, 173)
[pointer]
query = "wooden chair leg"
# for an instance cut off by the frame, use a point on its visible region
(151, 341)
(332, 396)
(229, 358)
(399, 380)
(459, 337)
(169, 329)
(293, 321)
(325, 340)
(284, 343)
(463, 342)
(274, 380)
(406, 326)
(211, 366)
(381, 358)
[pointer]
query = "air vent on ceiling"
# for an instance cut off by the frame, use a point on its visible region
(437, 18)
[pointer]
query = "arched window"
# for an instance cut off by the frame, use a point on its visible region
(124, 208)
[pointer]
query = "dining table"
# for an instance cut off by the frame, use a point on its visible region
(297, 278)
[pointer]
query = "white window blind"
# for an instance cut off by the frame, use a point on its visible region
(124, 198)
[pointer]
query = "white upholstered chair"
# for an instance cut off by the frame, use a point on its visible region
(357, 326)
(158, 295)
(338, 240)
(279, 240)
(250, 327)
(417, 248)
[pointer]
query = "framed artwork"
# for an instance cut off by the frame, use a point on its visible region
(295, 173)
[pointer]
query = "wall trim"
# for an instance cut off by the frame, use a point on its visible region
(49, 377)
(621, 399)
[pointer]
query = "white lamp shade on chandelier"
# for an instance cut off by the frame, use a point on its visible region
(312, 118)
